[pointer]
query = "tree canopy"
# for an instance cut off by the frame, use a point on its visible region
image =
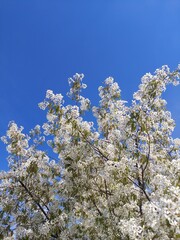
(115, 178)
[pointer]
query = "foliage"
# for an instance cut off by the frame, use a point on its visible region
(120, 181)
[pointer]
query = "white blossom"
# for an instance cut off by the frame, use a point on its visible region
(119, 181)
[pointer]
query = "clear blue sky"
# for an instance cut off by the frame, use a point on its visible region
(43, 42)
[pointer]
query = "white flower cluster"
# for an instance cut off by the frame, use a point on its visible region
(16, 140)
(51, 98)
(118, 182)
(76, 87)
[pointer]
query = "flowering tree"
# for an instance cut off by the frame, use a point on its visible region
(120, 181)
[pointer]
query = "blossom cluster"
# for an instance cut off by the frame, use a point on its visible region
(116, 178)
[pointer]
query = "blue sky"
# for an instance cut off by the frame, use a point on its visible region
(43, 42)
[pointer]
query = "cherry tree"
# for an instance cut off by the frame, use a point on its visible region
(117, 178)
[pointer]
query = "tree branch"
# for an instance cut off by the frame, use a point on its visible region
(37, 203)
